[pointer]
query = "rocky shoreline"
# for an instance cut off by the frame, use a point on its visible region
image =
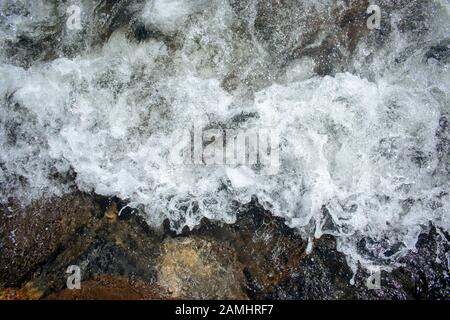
(257, 257)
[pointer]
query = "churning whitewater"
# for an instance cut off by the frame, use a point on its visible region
(362, 115)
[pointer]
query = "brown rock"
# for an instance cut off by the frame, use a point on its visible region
(198, 269)
(266, 248)
(30, 235)
(110, 288)
(27, 292)
(125, 248)
(111, 212)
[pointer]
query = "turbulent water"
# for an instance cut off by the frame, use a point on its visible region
(362, 114)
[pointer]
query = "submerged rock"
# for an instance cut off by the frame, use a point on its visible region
(27, 292)
(123, 247)
(194, 268)
(110, 288)
(76, 229)
(267, 249)
(33, 236)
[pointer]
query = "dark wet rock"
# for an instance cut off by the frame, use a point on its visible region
(41, 241)
(142, 33)
(110, 246)
(257, 257)
(27, 292)
(111, 288)
(267, 249)
(32, 236)
(323, 274)
(194, 268)
(276, 265)
(110, 15)
(428, 266)
(36, 43)
(294, 29)
(440, 52)
(26, 49)
(422, 274)
(329, 34)
(443, 145)
(48, 39)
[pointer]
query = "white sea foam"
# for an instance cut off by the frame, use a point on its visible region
(171, 15)
(363, 149)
